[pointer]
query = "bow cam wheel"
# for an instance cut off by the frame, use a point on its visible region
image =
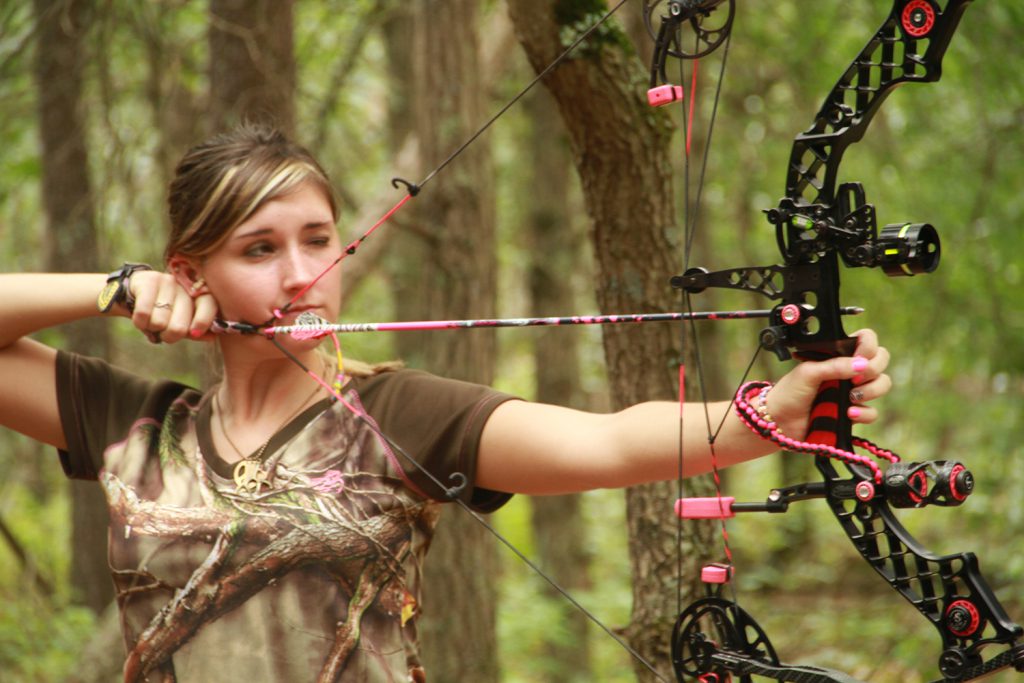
(710, 626)
(695, 28)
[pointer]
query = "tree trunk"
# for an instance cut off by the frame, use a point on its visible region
(177, 109)
(252, 63)
(72, 246)
(405, 262)
(555, 254)
(621, 154)
(455, 278)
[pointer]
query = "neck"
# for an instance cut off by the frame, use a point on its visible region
(259, 389)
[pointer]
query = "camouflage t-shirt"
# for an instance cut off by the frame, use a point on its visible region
(315, 576)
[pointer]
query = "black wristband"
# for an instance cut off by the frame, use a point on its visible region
(117, 291)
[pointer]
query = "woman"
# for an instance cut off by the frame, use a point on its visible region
(266, 529)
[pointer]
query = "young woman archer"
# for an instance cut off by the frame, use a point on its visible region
(263, 521)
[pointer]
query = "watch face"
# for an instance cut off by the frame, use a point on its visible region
(105, 300)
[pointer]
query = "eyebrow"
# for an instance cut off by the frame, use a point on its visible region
(259, 232)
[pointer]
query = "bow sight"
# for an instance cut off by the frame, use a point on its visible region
(804, 231)
(808, 236)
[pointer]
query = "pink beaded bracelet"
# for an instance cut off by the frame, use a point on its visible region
(759, 421)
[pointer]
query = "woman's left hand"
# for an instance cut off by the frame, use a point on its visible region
(790, 400)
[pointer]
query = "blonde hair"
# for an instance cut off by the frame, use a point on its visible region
(220, 183)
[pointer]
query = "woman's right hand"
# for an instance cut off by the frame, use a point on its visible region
(167, 312)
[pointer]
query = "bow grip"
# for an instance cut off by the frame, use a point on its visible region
(829, 423)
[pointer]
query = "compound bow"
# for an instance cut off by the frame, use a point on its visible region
(818, 223)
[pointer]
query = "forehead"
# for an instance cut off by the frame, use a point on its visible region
(305, 202)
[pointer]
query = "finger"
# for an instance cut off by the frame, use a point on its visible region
(147, 287)
(144, 286)
(862, 414)
(203, 316)
(164, 304)
(875, 367)
(867, 343)
(180, 317)
(855, 368)
(872, 390)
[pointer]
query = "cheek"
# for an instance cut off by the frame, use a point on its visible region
(246, 297)
(331, 291)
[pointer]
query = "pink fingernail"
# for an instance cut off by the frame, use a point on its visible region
(195, 334)
(860, 364)
(853, 412)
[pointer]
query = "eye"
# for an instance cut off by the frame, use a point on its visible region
(258, 250)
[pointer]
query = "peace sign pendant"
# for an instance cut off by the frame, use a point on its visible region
(250, 477)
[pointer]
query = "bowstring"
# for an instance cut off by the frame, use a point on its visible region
(691, 217)
(412, 190)
(335, 390)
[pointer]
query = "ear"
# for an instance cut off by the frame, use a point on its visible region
(186, 272)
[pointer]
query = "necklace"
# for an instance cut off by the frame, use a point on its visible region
(249, 475)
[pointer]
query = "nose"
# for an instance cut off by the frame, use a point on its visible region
(300, 270)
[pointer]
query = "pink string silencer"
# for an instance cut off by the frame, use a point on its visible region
(664, 94)
(705, 508)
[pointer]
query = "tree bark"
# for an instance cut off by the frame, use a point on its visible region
(252, 63)
(455, 278)
(555, 254)
(621, 150)
(71, 239)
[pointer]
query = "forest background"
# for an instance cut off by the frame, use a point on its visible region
(100, 97)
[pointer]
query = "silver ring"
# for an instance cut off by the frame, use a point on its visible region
(856, 395)
(162, 304)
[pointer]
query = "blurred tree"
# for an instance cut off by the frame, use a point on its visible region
(621, 155)
(554, 251)
(455, 279)
(72, 244)
(252, 63)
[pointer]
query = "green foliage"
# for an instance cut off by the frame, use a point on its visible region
(39, 640)
(949, 154)
(575, 17)
(41, 633)
(526, 632)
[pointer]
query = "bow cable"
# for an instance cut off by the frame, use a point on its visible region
(413, 189)
(451, 493)
(691, 217)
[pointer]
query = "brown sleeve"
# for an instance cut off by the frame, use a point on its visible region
(438, 422)
(98, 404)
